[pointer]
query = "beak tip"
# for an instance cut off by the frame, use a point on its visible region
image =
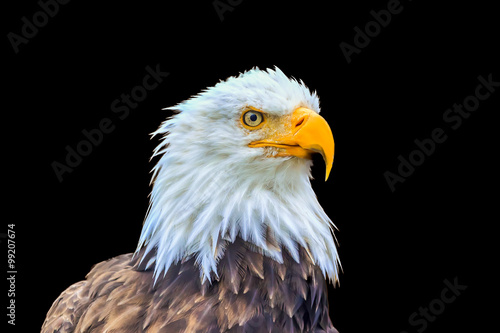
(327, 173)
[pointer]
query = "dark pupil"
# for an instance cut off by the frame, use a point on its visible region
(253, 117)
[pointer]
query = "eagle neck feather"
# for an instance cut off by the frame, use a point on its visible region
(268, 204)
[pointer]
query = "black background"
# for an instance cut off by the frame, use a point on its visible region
(396, 247)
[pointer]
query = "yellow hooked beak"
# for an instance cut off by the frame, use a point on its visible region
(306, 132)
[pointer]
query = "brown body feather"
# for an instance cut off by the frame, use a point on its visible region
(253, 293)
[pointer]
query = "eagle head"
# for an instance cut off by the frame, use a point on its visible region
(235, 162)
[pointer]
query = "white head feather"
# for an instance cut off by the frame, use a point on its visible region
(208, 184)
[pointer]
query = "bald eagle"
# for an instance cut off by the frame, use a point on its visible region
(234, 239)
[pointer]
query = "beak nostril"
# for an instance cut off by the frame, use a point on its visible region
(301, 120)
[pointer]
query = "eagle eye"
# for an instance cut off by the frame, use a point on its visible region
(253, 118)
